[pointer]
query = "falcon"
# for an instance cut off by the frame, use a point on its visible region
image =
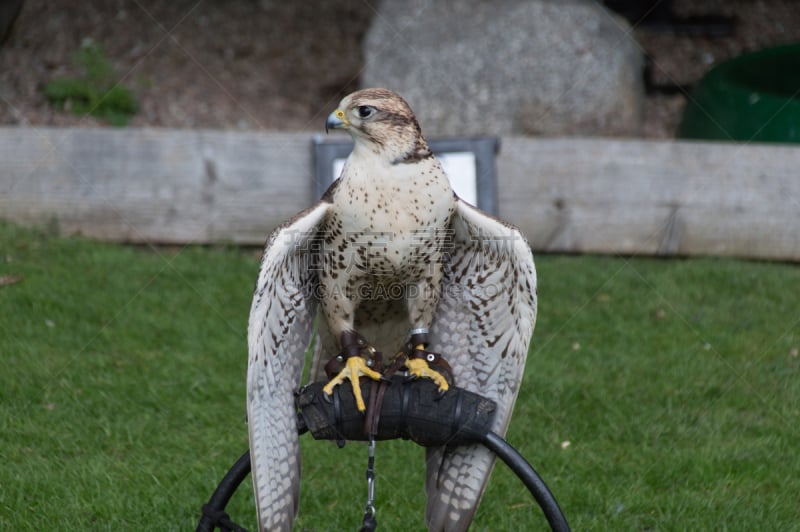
(389, 260)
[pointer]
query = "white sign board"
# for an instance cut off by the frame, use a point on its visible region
(459, 167)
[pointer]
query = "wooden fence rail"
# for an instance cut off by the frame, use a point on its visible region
(567, 195)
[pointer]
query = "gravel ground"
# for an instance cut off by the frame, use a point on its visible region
(244, 64)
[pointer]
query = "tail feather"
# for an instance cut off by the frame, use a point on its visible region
(455, 481)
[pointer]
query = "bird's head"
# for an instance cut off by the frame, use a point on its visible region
(381, 121)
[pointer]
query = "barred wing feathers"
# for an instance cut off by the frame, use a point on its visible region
(483, 326)
(280, 329)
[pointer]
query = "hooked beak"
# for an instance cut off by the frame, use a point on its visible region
(336, 120)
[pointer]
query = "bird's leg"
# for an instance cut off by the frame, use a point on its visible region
(420, 360)
(422, 303)
(340, 308)
(354, 366)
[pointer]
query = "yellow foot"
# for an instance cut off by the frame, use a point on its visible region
(418, 367)
(355, 367)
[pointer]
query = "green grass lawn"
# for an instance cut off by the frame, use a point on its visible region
(675, 382)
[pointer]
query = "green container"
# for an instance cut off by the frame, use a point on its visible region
(753, 97)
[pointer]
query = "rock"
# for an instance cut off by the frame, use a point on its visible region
(530, 67)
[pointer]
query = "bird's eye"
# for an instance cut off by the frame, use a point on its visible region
(365, 111)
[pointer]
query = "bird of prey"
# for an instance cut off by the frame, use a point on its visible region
(390, 259)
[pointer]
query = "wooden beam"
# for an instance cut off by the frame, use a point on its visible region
(647, 197)
(567, 195)
(153, 185)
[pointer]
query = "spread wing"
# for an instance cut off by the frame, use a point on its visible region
(279, 332)
(483, 327)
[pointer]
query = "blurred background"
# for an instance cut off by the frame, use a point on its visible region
(663, 384)
(614, 68)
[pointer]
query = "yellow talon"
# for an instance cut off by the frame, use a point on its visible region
(355, 367)
(419, 368)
